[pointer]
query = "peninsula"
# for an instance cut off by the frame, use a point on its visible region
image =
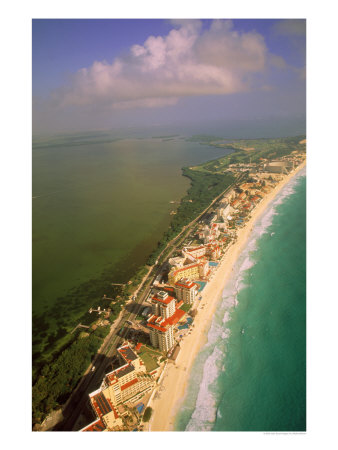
(138, 378)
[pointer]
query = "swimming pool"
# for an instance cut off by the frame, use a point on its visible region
(202, 285)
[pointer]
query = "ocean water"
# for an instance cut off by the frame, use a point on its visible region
(251, 374)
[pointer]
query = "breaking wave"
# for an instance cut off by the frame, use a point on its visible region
(206, 406)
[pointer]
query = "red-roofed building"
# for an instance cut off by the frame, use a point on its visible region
(195, 252)
(107, 416)
(138, 346)
(123, 384)
(128, 356)
(175, 318)
(161, 323)
(127, 383)
(186, 290)
(163, 304)
(162, 330)
(168, 289)
(192, 271)
(161, 336)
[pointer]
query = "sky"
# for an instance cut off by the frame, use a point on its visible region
(92, 74)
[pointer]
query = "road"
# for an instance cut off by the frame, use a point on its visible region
(91, 381)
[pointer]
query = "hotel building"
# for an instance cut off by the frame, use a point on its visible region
(223, 211)
(163, 320)
(192, 271)
(128, 383)
(163, 305)
(186, 290)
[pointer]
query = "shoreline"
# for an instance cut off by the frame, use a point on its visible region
(171, 392)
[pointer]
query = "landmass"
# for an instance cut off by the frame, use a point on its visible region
(146, 337)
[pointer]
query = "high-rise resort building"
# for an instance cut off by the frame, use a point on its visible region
(211, 250)
(163, 305)
(186, 290)
(128, 383)
(192, 271)
(223, 210)
(163, 320)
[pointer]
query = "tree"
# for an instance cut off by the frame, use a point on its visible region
(147, 414)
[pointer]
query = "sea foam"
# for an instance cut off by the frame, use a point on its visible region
(204, 414)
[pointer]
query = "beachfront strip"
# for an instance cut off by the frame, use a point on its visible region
(154, 339)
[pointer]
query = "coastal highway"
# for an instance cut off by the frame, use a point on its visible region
(76, 404)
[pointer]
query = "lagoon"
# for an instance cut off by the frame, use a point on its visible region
(99, 207)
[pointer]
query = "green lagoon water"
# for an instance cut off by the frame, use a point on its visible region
(98, 207)
(251, 374)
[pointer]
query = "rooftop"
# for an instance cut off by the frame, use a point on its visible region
(165, 299)
(164, 325)
(97, 425)
(194, 249)
(190, 266)
(124, 370)
(127, 353)
(112, 377)
(138, 346)
(185, 283)
(101, 404)
(130, 383)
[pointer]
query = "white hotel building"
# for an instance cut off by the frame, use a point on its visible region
(163, 320)
(186, 290)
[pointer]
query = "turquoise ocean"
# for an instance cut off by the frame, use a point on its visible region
(251, 373)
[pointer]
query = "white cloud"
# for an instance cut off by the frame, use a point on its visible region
(186, 62)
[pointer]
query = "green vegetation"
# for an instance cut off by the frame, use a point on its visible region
(89, 294)
(147, 414)
(251, 150)
(208, 180)
(204, 188)
(135, 280)
(101, 332)
(74, 139)
(66, 356)
(149, 357)
(57, 380)
(185, 307)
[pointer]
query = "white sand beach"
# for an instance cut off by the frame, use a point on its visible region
(171, 391)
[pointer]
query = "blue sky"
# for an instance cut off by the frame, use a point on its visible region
(106, 74)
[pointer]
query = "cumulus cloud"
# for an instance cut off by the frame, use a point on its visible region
(188, 61)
